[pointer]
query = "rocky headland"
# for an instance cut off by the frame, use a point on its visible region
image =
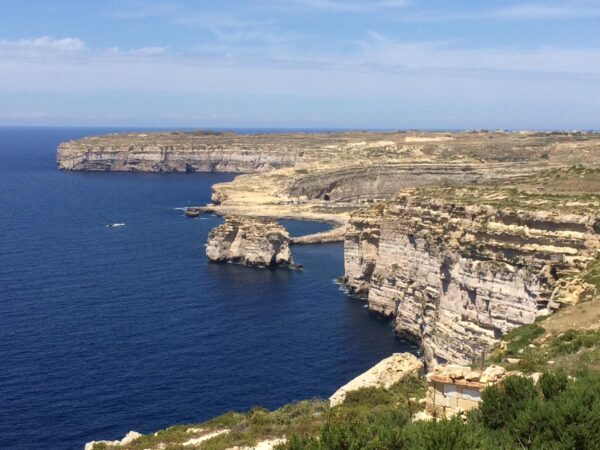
(325, 176)
(459, 237)
(463, 239)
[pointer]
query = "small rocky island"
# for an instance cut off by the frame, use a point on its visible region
(251, 241)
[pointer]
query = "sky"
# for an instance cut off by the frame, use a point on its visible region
(378, 64)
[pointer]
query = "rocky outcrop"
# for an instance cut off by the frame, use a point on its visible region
(383, 375)
(571, 292)
(128, 439)
(250, 241)
(457, 269)
(361, 246)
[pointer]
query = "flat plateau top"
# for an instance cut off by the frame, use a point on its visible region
(387, 137)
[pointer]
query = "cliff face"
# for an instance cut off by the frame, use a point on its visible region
(175, 152)
(458, 271)
(456, 267)
(381, 181)
(249, 241)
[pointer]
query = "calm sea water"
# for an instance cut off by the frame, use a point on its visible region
(104, 330)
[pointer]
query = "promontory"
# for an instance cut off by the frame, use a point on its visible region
(458, 236)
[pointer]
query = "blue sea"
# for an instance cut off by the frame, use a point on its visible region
(105, 330)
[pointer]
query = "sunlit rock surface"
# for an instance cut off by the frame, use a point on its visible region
(250, 241)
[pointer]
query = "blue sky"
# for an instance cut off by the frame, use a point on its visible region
(301, 63)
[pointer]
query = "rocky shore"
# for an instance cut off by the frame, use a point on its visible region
(459, 237)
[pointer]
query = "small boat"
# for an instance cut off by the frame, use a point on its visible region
(192, 212)
(112, 225)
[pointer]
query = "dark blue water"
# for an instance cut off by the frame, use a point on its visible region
(103, 330)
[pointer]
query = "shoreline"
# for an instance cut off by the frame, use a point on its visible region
(458, 238)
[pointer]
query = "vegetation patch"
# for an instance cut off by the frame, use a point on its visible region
(592, 273)
(558, 413)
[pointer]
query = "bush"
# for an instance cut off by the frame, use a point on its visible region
(501, 403)
(553, 384)
(572, 341)
(441, 435)
(561, 414)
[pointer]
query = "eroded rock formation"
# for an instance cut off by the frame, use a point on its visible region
(457, 269)
(250, 241)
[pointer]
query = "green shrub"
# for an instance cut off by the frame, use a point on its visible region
(521, 337)
(451, 434)
(572, 341)
(501, 403)
(562, 414)
(552, 384)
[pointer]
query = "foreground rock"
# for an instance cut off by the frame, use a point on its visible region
(268, 444)
(383, 375)
(252, 242)
(128, 439)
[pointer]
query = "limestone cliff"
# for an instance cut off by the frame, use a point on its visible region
(458, 268)
(250, 241)
(176, 152)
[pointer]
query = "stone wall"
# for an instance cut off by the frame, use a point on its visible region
(454, 390)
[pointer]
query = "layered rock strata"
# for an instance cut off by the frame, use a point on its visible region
(455, 273)
(457, 269)
(252, 242)
(326, 176)
(177, 152)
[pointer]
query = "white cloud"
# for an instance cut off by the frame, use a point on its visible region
(525, 11)
(44, 43)
(143, 51)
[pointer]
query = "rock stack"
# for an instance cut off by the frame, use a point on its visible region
(251, 241)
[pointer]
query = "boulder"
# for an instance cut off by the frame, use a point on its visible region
(128, 439)
(383, 375)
